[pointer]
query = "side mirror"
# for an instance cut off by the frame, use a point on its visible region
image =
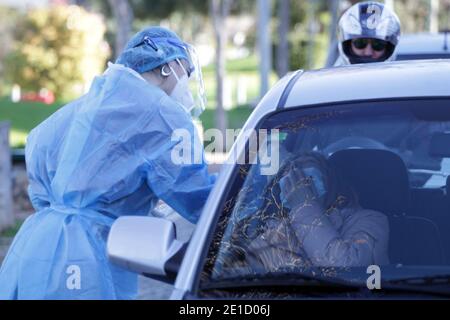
(146, 245)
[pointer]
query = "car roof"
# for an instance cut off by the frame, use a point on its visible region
(423, 43)
(400, 79)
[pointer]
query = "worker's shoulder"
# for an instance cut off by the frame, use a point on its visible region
(61, 116)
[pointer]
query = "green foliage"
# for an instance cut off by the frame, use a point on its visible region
(144, 9)
(8, 18)
(413, 15)
(236, 117)
(59, 48)
(24, 116)
(12, 231)
(300, 39)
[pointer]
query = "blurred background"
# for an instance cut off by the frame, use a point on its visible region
(52, 49)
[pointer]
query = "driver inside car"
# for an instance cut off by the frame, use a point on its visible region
(330, 228)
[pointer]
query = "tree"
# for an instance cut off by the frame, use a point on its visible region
(264, 43)
(434, 16)
(123, 15)
(312, 31)
(413, 15)
(58, 48)
(7, 27)
(333, 51)
(282, 61)
(80, 3)
(145, 9)
(389, 4)
(219, 11)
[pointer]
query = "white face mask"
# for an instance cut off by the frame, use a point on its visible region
(181, 93)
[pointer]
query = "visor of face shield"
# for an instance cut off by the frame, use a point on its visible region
(195, 77)
(196, 82)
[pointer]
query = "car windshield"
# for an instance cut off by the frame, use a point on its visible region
(358, 185)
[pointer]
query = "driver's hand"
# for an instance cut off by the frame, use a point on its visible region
(296, 188)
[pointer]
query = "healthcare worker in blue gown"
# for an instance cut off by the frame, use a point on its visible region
(106, 155)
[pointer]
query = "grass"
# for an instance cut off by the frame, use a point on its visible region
(244, 65)
(24, 116)
(240, 72)
(236, 117)
(11, 232)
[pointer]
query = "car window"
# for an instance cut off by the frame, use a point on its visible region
(422, 56)
(358, 184)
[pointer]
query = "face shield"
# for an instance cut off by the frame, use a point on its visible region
(196, 83)
(195, 77)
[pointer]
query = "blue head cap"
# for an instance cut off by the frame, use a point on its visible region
(152, 48)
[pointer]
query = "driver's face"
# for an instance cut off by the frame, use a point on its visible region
(368, 51)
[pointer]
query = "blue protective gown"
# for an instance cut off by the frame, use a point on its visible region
(102, 156)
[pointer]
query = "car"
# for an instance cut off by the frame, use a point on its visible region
(381, 133)
(424, 46)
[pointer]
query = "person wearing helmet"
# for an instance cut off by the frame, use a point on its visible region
(104, 155)
(368, 32)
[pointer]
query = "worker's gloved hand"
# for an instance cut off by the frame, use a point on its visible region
(296, 188)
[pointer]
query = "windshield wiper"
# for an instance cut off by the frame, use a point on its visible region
(281, 279)
(425, 280)
(399, 286)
